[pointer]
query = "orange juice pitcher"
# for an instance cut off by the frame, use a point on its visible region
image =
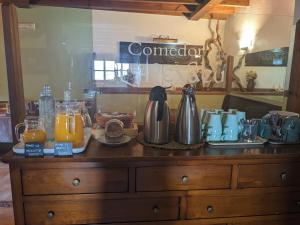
(69, 124)
(34, 131)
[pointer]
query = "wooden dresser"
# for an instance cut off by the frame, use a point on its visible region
(136, 185)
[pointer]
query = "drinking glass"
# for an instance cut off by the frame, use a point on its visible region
(249, 132)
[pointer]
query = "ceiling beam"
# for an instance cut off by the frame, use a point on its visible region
(204, 9)
(117, 6)
(236, 3)
(216, 16)
(219, 9)
(185, 2)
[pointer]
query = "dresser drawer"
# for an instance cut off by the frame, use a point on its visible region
(101, 211)
(268, 175)
(67, 181)
(230, 205)
(183, 177)
(273, 222)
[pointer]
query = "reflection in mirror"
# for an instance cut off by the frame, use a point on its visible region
(122, 55)
(259, 38)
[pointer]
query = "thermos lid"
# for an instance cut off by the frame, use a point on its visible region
(188, 89)
(158, 93)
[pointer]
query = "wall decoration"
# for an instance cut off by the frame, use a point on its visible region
(250, 78)
(151, 53)
(217, 76)
(235, 78)
(273, 57)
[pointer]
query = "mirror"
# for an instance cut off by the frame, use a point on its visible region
(121, 55)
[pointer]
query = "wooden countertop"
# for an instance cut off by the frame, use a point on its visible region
(134, 151)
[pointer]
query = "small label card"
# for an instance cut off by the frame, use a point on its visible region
(34, 150)
(63, 149)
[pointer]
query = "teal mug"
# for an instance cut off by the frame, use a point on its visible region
(230, 128)
(214, 128)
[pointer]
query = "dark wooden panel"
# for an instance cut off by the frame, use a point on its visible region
(253, 108)
(294, 87)
(268, 175)
(13, 64)
(69, 181)
(232, 205)
(101, 211)
(183, 177)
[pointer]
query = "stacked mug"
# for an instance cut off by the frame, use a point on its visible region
(219, 126)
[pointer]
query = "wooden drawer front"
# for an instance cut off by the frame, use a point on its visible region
(101, 211)
(282, 222)
(268, 175)
(66, 181)
(183, 177)
(242, 205)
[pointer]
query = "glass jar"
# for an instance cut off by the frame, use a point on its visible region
(69, 126)
(34, 131)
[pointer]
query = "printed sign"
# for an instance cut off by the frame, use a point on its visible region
(151, 53)
(274, 57)
(63, 149)
(34, 150)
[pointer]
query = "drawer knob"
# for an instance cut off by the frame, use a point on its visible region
(155, 209)
(51, 214)
(184, 179)
(298, 203)
(210, 209)
(284, 177)
(76, 182)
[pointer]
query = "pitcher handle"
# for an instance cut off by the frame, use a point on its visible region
(17, 129)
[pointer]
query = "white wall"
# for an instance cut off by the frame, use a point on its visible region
(109, 28)
(3, 76)
(270, 22)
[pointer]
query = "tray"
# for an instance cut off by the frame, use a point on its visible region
(49, 146)
(282, 143)
(258, 141)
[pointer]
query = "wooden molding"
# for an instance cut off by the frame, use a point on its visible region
(236, 3)
(185, 2)
(229, 73)
(13, 62)
(204, 9)
(125, 90)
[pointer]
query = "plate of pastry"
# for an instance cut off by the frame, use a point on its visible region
(114, 134)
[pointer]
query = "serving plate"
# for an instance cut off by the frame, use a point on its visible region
(258, 141)
(102, 139)
(49, 146)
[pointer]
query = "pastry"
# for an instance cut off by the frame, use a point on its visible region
(114, 131)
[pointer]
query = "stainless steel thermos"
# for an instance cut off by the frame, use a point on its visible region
(187, 123)
(157, 117)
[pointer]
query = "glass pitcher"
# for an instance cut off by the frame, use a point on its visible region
(34, 131)
(69, 125)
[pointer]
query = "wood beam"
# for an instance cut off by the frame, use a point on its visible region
(204, 9)
(184, 2)
(222, 10)
(117, 6)
(13, 64)
(216, 16)
(236, 3)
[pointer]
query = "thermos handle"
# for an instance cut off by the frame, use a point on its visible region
(17, 129)
(160, 110)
